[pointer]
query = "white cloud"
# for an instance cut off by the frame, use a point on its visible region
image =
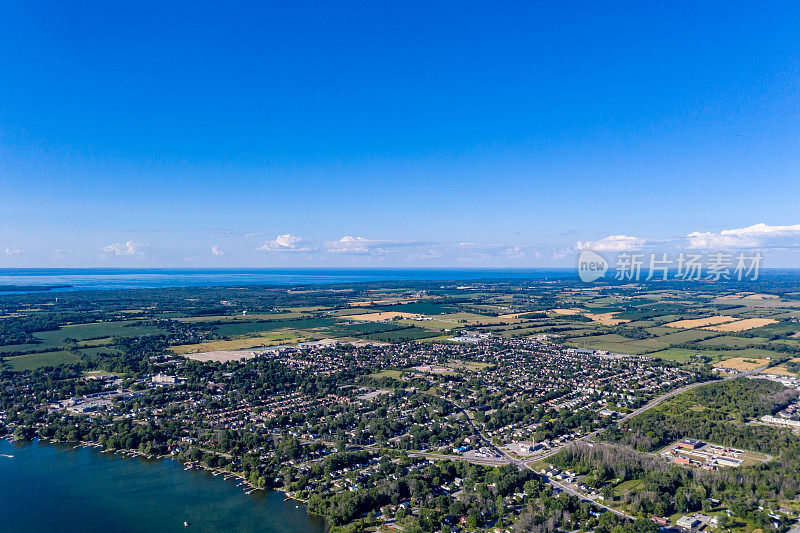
(757, 235)
(515, 252)
(129, 248)
(487, 251)
(216, 250)
(612, 243)
(364, 246)
(351, 245)
(13, 251)
(286, 243)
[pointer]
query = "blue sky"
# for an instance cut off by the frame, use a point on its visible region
(395, 134)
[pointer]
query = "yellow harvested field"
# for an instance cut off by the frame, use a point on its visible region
(265, 341)
(742, 325)
(700, 322)
(378, 317)
(567, 311)
(780, 370)
(743, 363)
(607, 319)
(749, 296)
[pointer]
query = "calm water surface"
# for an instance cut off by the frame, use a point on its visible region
(116, 278)
(56, 488)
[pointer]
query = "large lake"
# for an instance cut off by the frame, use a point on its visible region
(47, 487)
(117, 278)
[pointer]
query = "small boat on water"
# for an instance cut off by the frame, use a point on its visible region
(186, 524)
(6, 455)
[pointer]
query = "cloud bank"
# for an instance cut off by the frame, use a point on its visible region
(755, 236)
(129, 248)
(612, 243)
(286, 243)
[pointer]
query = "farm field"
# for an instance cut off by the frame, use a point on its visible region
(393, 374)
(244, 318)
(676, 354)
(606, 319)
(419, 308)
(36, 360)
(380, 316)
(742, 325)
(618, 344)
(780, 370)
(261, 341)
(700, 322)
(636, 320)
(728, 341)
(689, 335)
(743, 364)
(400, 335)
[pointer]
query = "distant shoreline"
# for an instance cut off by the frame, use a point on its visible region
(48, 280)
(32, 288)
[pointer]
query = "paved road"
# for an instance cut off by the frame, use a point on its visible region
(685, 388)
(523, 465)
(561, 486)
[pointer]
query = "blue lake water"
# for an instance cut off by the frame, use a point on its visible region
(106, 279)
(56, 488)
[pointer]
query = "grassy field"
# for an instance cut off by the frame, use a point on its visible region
(11, 348)
(394, 374)
(419, 308)
(363, 329)
(244, 328)
(691, 335)
(401, 335)
(731, 342)
(780, 328)
(242, 318)
(618, 344)
(37, 360)
(261, 341)
(675, 354)
(99, 351)
(91, 339)
(468, 365)
(95, 331)
(681, 354)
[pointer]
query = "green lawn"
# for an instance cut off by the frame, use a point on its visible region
(37, 360)
(732, 342)
(394, 374)
(676, 354)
